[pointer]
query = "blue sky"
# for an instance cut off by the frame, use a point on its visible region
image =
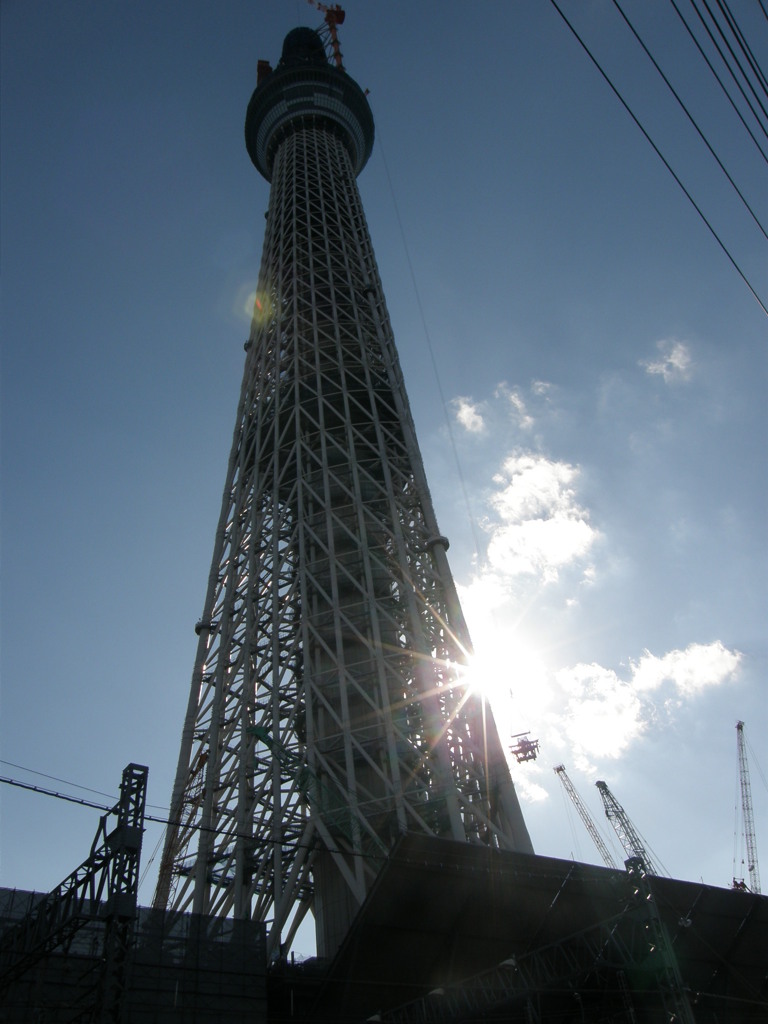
(603, 369)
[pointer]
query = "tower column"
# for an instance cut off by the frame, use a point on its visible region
(328, 714)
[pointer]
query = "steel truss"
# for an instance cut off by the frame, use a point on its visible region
(104, 887)
(748, 816)
(328, 712)
(585, 816)
(628, 835)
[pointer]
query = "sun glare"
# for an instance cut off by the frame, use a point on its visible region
(512, 677)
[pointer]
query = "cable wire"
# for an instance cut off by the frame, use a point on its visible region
(690, 117)
(735, 57)
(68, 782)
(754, 763)
(55, 778)
(661, 156)
(192, 825)
(430, 348)
(719, 80)
(730, 69)
(738, 844)
(744, 46)
(59, 796)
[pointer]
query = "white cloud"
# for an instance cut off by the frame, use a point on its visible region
(602, 715)
(515, 399)
(587, 713)
(541, 527)
(696, 668)
(675, 364)
(531, 792)
(539, 532)
(540, 546)
(468, 415)
(534, 486)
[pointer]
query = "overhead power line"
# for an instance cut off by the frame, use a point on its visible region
(158, 820)
(731, 72)
(68, 782)
(719, 80)
(690, 117)
(744, 46)
(745, 50)
(660, 155)
(50, 792)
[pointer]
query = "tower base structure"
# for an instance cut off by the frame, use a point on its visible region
(449, 932)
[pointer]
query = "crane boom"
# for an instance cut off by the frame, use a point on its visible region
(585, 816)
(334, 16)
(746, 806)
(628, 835)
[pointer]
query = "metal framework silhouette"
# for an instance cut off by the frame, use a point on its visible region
(329, 711)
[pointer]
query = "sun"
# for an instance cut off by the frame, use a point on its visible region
(512, 676)
(505, 666)
(511, 665)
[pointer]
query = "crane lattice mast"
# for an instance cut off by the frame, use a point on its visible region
(746, 807)
(585, 816)
(629, 837)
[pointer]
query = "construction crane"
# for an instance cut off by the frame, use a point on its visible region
(747, 815)
(585, 816)
(334, 16)
(629, 837)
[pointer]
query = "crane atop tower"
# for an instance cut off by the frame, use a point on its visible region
(748, 819)
(585, 816)
(334, 16)
(629, 837)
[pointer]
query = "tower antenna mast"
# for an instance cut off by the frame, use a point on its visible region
(585, 816)
(746, 807)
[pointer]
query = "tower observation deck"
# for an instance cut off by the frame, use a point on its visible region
(327, 714)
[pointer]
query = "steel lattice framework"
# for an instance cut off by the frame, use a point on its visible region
(629, 837)
(104, 887)
(747, 812)
(327, 712)
(585, 816)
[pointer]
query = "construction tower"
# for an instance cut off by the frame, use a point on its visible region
(328, 713)
(748, 817)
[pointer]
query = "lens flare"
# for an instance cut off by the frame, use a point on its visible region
(252, 305)
(511, 676)
(260, 306)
